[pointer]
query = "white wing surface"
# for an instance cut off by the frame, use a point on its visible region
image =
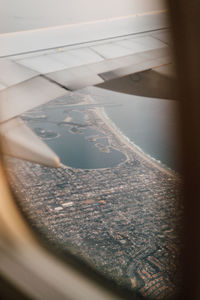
(19, 141)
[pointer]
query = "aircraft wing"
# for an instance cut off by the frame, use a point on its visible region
(32, 76)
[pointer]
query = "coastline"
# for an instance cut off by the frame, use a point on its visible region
(103, 116)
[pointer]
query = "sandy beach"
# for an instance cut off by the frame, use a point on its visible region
(134, 148)
(68, 119)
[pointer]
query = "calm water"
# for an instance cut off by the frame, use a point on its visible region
(73, 143)
(149, 123)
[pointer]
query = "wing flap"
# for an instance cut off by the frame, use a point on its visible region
(42, 64)
(84, 76)
(154, 83)
(75, 79)
(144, 61)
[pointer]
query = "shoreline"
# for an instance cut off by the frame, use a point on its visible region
(130, 145)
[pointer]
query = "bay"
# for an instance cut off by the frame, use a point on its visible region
(149, 123)
(72, 143)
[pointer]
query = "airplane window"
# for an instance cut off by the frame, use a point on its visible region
(115, 200)
(109, 112)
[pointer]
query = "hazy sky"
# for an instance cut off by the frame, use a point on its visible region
(16, 15)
